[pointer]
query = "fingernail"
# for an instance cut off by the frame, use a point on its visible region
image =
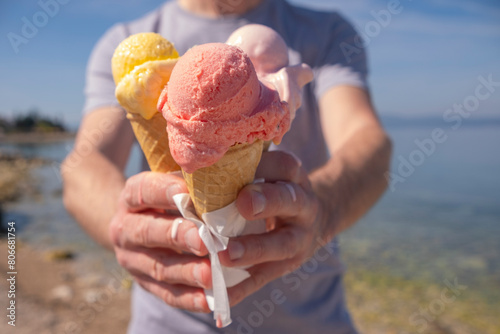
(197, 275)
(198, 303)
(175, 227)
(258, 202)
(235, 250)
(290, 190)
(193, 240)
(173, 189)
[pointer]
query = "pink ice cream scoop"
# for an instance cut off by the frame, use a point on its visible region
(215, 100)
(269, 54)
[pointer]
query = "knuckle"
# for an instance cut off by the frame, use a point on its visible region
(258, 248)
(167, 297)
(187, 275)
(132, 192)
(140, 232)
(156, 271)
(179, 301)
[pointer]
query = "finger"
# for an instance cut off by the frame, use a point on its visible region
(153, 190)
(282, 243)
(152, 230)
(178, 296)
(260, 275)
(167, 266)
(282, 166)
(282, 199)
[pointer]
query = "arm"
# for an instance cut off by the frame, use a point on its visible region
(320, 205)
(93, 171)
(353, 179)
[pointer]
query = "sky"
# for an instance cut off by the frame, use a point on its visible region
(424, 58)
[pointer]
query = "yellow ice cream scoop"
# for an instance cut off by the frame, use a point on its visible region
(138, 49)
(141, 66)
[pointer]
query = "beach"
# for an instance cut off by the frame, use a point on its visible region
(426, 259)
(53, 296)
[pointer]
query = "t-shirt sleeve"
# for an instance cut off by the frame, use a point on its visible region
(342, 59)
(99, 84)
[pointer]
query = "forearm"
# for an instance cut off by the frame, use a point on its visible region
(353, 179)
(91, 191)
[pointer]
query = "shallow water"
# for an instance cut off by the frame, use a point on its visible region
(41, 219)
(443, 222)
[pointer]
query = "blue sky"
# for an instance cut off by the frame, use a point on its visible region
(427, 58)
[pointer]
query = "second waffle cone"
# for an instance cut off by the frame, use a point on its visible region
(152, 136)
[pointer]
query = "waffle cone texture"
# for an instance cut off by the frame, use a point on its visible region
(216, 186)
(153, 139)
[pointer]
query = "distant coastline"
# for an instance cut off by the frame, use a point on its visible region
(35, 137)
(392, 121)
(33, 128)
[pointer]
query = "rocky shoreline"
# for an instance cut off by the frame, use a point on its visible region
(15, 176)
(35, 137)
(55, 294)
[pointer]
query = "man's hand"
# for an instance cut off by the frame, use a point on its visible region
(165, 257)
(293, 215)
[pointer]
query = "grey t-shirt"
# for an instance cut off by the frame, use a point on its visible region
(309, 300)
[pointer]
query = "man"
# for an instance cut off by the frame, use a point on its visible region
(333, 159)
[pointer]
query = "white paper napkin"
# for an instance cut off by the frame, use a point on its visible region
(215, 229)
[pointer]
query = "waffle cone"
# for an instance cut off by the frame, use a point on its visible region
(152, 136)
(214, 187)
